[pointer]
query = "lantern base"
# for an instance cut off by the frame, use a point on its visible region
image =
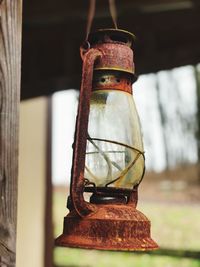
(111, 227)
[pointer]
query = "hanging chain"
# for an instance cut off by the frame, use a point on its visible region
(113, 12)
(90, 17)
(91, 12)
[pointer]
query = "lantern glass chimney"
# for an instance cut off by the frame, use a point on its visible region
(114, 154)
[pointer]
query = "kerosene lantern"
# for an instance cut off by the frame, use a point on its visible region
(108, 156)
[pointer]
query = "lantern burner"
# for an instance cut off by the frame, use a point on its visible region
(102, 198)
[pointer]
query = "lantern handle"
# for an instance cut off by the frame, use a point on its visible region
(82, 207)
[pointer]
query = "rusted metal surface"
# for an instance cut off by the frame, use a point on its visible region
(115, 60)
(103, 36)
(117, 53)
(113, 225)
(112, 81)
(77, 183)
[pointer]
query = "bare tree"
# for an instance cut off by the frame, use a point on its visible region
(197, 78)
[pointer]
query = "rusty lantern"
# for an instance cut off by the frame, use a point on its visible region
(108, 158)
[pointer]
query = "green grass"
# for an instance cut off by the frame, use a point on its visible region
(173, 226)
(92, 258)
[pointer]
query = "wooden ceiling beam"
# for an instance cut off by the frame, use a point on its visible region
(50, 55)
(36, 11)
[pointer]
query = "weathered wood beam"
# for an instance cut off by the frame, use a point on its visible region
(61, 9)
(51, 60)
(10, 66)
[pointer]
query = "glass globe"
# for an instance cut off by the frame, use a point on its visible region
(114, 153)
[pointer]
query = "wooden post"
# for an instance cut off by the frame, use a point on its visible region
(10, 70)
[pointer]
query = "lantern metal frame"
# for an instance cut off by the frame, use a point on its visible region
(112, 225)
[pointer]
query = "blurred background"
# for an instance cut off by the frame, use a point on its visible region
(167, 96)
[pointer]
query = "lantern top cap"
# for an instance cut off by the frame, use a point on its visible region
(111, 36)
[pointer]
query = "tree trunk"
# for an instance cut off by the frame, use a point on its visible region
(10, 68)
(197, 77)
(163, 122)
